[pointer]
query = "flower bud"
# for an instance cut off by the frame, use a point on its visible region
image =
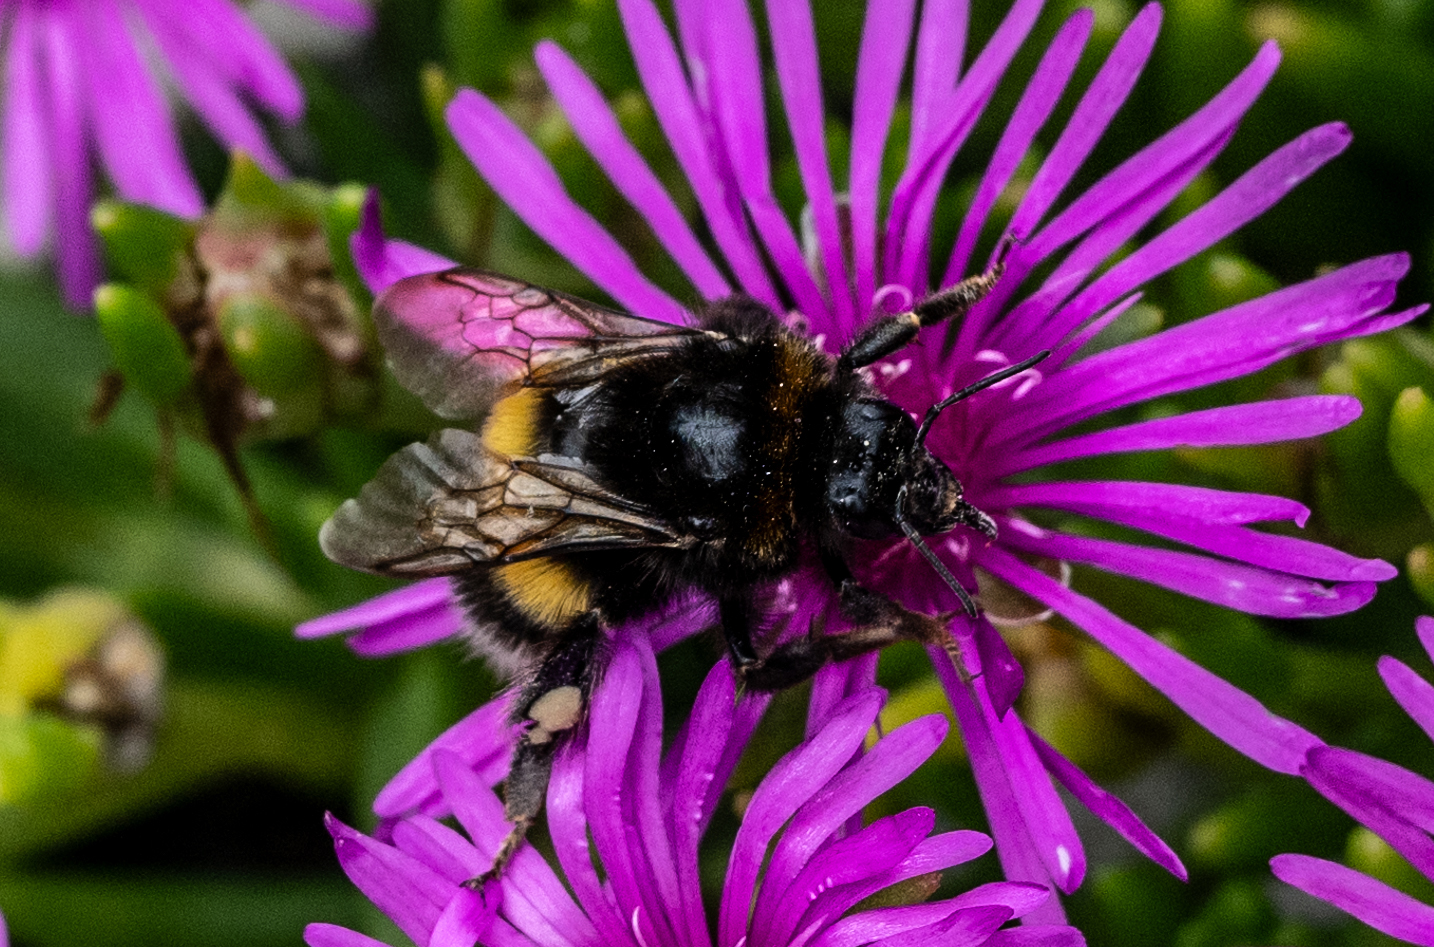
(1411, 442)
(147, 349)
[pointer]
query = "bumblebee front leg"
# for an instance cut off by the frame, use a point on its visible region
(893, 333)
(880, 622)
(553, 702)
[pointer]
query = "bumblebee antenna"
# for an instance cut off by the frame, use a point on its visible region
(931, 557)
(933, 412)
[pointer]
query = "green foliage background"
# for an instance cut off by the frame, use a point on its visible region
(219, 840)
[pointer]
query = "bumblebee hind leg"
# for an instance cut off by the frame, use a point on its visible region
(553, 703)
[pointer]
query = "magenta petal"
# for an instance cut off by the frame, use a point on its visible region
(911, 927)
(133, 127)
(940, 50)
(535, 900)
(893, 758)
(1003, 674)
(908, 223)
(1223, 709)
(1251, 195)
(522, 176)
(568, 826)
(1373, 902)
(482, 739)
(212, 93)
(389, 607)
(794, 50)
(1037, 102)
(409, 892)
(671, 98)
(1173, 502)
(1262, 422)
(794, 779)
(331, 935)
(1211, 122)
(597, 128)
(230, 47)
(75, 244)
(1335, 306)
(1108, 808)
(1042, 935)
(734, 83)
(1424, 628)
(29, 182)
(873, 850)
(885, 38)
(466, 919)
(695, 786)
(1394, 803)
(382, 262)
(1246, 588)
(1412, 692)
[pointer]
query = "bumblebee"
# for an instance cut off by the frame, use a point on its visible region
(610, 463)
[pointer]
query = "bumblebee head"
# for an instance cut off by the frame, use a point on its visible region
(884, 482)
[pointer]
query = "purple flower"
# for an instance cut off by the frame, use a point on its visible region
(1390, 801)
(862, 254)
(80, 81)
(800, 863)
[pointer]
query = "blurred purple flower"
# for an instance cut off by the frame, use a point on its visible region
(798, 866)
(859, 255)
(1390, 801)
(81, 81)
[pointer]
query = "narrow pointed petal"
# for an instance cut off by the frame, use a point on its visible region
(483, 739)
(1173, 502)
(465, 921)
(1108, 808)
(1396, 804)
(381, 262)
(1093, 114)
(409, 892)
(522, 176)
(1261, 422)
(1223, 709)
(1022, 858)
(214, 96)
(1348, 302)
(734, 76)
(940, 50)
(1251, 195)
(671, 97)
(971, 926)
(132, 124)
(568, 826)
(402, 620)
(331, 935)
(75, 245)
(893, 758)
(244, 59)
(1034, 108)
(885, 39)
(28, 180)
(912, 203)
(795, 778)
(535, 900)
(597, 128)
(794, 50)
(1373, 902)
(1413, 693)
(1245, 588)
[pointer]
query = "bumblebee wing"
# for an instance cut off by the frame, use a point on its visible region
(444, 506)
(463, 338)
